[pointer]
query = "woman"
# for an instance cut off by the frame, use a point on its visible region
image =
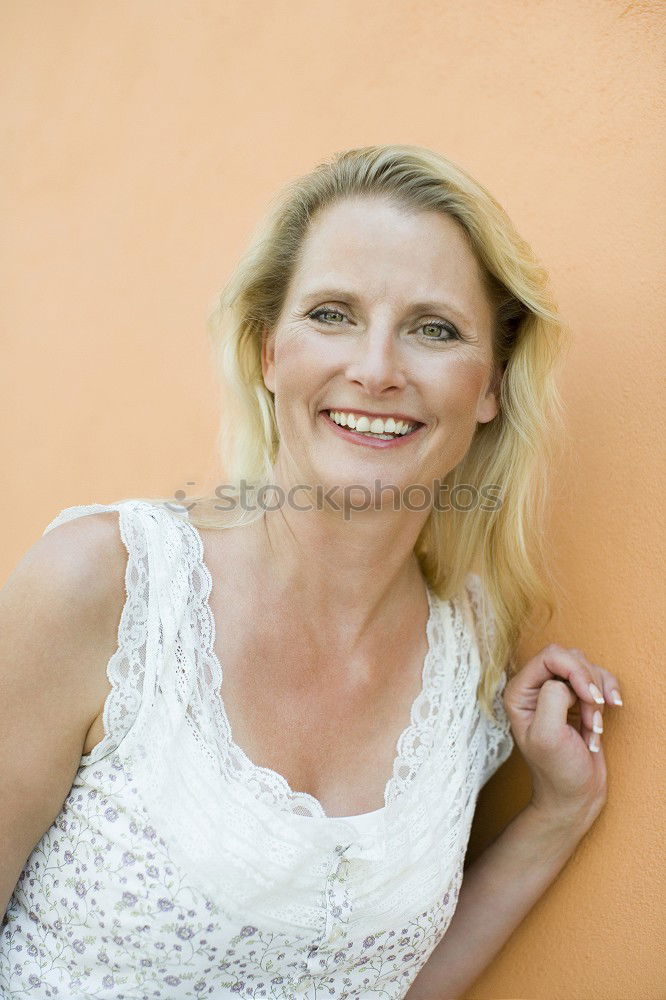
(295, 825)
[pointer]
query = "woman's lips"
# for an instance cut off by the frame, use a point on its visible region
(365, 439)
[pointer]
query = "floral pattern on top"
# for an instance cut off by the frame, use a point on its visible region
(100, 910)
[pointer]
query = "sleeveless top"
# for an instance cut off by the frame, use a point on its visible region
(177, 868)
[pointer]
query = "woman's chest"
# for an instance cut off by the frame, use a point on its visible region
(329, 727)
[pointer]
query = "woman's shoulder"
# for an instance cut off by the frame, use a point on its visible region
(79, 560)
(86, 537)
(60, 610)
(93, 559)
(79, 570)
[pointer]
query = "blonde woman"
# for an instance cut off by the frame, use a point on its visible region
(245, 762)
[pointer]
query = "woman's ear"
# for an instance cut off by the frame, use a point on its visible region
(488, 406)
(268, 358)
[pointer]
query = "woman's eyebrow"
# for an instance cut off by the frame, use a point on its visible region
(432, 305)
(330, 292)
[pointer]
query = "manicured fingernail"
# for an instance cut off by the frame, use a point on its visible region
(594, 743)
(598, 722)
(596, 694)
(615, 695)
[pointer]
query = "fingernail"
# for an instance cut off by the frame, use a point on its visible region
(596, 694)
(598, 722)
(615, 695)
(594, 743)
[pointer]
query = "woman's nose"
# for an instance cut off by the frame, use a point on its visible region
(377, 361)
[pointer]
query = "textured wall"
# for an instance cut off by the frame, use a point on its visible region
(145, 139)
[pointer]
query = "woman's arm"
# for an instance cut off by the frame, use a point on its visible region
(59, 615)
(497, 892)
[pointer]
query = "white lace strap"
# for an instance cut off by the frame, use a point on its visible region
(126, 670)
(497, 741)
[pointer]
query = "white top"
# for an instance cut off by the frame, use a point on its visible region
(178, 868)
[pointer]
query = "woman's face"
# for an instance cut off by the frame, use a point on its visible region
(385, 315)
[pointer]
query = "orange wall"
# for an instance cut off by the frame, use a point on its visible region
(145, 138)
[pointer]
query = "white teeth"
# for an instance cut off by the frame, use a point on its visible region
(377, 426)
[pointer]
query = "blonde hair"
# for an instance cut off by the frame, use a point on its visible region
(513, 451)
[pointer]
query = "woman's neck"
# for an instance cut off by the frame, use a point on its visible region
(357, 575)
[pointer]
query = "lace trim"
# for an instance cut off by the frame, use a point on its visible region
(412, 746)
(499, 742)
(499, 739)
(229, 836)
(126, 667)
(483, 615)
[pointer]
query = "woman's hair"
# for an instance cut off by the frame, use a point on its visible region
(512, 453)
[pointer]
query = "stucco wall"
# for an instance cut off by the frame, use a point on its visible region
(143, 140)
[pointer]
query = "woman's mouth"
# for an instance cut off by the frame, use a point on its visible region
(389, 433)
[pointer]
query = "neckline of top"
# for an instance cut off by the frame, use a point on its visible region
(311, 806)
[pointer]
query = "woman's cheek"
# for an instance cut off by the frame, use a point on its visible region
(458, 388)
(295, 352)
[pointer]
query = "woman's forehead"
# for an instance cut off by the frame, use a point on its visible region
(371, 249)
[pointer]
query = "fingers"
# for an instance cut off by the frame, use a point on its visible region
(555, 661)
(593, 685)
(592, 716)
(550, 715)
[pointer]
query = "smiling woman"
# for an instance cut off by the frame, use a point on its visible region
(374, 353)
(357, 260)
(252, 755)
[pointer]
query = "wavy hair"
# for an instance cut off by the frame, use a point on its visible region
(514, 451)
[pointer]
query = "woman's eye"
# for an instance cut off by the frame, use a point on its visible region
(321, 313)
(440, 328)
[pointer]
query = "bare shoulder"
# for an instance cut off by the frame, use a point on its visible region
(74, 548)
(77, 564)
(61, 606)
